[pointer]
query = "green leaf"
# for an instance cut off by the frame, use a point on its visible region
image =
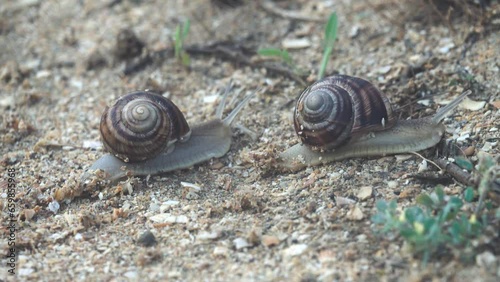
(464, 163)
(331, 30)
(330, 36)
(269, 52)
(186, 60)
(439, 193)
(469, 194)
(185, 30)
(408, 233)
(381, 205)
(275, 52)
(286, 57)
(425, 200)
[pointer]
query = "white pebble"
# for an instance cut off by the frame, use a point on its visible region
(168, 205)
(296, 43)
(295, 250)
(206, 236)
(168, 218)
(240, 243)
(422, 166)
(190, 185)
(392, 184)
(92, 144)
(53, 206)
(365, 192)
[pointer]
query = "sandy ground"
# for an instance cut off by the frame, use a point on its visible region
(60, 65)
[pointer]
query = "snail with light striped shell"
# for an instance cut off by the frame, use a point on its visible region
(342, 117)
(146, 134)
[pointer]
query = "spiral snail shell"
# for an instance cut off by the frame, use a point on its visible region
(342, 117)
(141, 125)
(335, 109)
(183, 147)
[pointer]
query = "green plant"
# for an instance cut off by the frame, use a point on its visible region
(437, 222)
(330, 36)
(275, 52)
(181, 32)
(488, 169)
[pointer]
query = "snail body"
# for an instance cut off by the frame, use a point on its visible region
(183, 149)
(362, 126)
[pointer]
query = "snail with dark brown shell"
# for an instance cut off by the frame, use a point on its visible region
(147, 134)
(342, 117)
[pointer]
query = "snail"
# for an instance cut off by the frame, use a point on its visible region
(146, 134)
(342, 117)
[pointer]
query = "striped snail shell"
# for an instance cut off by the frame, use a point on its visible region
(142, 124)
(338, 108)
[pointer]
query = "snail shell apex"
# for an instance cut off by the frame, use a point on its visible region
(338, 108)
(141, 125)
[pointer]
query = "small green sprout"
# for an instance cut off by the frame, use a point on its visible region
(330, 36)
(275, 52)
(181, 32)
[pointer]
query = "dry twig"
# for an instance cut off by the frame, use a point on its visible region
(270, 7)
(459, 174)
(227, 50)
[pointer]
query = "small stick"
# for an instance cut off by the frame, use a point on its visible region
(270, 7)
(459, 174)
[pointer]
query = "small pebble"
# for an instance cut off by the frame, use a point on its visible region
(270, 241)
(422, 166)
(295, 250)
(29, 213)
(168, 218)
(355, 214)
(486, 260)
(25, 271)
(469, 151)
(220, 251)
(401, 158)
(488, 146)
(354, 31)
(240, 243)
(472, 105)
(424, 102)
(210, 99)
(53, 206)
(206, 236)
(298, 43)
(167, 205)
(384, 69)
(190, 185)
(446, 44)
(92, 144)
(147, 239)
(463, 137)
(364, 193)
(131, 274)
(342, 201)
(392, 184)
(496, 104)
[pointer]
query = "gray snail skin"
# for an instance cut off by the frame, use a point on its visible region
(341, 117)
(146, 134)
